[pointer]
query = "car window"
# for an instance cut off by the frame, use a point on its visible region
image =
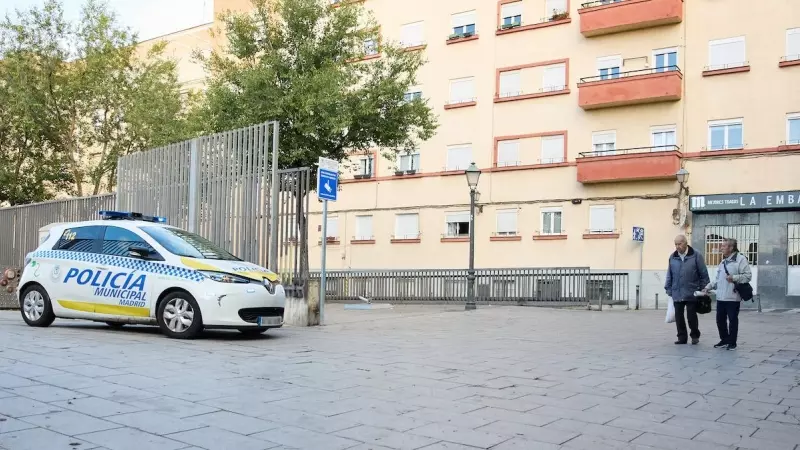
(184, 243)
(118, 241)
(79, 239)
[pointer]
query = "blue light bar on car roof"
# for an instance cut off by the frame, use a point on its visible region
(122, 215)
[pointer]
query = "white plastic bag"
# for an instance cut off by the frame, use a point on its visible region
(670, 312)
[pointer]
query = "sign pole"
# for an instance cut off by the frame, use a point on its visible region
(641, 275)
(322, 264)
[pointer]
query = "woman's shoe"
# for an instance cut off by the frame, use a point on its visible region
(721, 344)
(731, 346)
(680, 342)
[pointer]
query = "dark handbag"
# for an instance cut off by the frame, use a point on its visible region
(745, 290)
(703, 304)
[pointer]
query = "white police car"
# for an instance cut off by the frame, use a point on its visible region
(130, 268)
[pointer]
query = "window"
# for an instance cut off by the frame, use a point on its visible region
(412, 34)
(608, 67)
(413, 93)
(507, 222)
(365, 166)
(364, 228)
(463, 24)
(726, 53)
(793, 129)
(511, 13)
(459, 157)
(601, 219)
(554, 7)
(408, 162)
(666, 59)
(462, 90)
(793, 44)
(793, 282)
(725, 134)
(554, 78)
(552, 149)
(663, 138)
(508, 153)
(118, 242)
(332, 230)
(184, 243)
(746, 238)
(457, 224)
(604, 142)
(511, 83)
(406, 226)
(551, 221)
(79, 239)
(370, 46)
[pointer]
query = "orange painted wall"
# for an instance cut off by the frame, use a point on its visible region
(650, 88)
(629, 14)
(637, 166)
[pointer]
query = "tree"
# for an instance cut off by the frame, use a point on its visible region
(85, 97)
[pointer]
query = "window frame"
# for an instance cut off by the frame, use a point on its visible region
(154, 255)
(448, 221)
(517, 77)
(472, 20)
(97, 241)
(551, 210)
(554, 88)
(612, 151)
(789, 118)
(334, 220)
(411, 156)
(724, 41)
(515, 15)
(613, 228)
(725, 122)
(665, 51)
(397, 235)
(500, 146)
(456, 81)
(359, 235)
(367, 169)
(403, 43)
(450, 148)
(509, 211)
(662, 129)
(604, 63)
(792, 56)
(561, 158)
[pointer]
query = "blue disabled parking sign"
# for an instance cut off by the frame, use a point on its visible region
(328, 179)
(638, 234)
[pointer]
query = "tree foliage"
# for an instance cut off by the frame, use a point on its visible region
(77, 96)
(298, 62)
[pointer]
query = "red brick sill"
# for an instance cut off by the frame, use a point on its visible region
(505, 238)
(460, 40)
(517, 98)
(550, 237)
(460, 105)
(529, 167)
(789, 148)
(712, 73)
(455, 239)
(406, 241)
(331, 242)
(534, 26)
(796, 62)
(601, 236)
(415, 48)
(362, 241)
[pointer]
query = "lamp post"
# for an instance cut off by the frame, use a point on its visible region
(473, 175)
(683, 177)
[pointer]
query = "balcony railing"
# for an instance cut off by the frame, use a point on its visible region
(630, 151)
(559, 17)
(600, 3)
(632, 73)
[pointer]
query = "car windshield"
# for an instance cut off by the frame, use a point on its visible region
(183, 243)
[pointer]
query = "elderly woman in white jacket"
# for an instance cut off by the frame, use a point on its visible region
(733, 269)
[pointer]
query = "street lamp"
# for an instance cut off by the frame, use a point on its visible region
(683, 177)
(473, 175)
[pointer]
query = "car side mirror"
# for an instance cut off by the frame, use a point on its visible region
(138, 251)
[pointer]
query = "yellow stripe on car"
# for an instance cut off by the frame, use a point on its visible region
(252, 274)
(101, 308)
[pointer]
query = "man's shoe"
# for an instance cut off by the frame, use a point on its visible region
(695, 341)
(680, 342)
(731, 346)
(721, 344)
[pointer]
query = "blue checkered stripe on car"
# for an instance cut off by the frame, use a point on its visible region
(127, 263)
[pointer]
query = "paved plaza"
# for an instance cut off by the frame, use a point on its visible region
(414, 377)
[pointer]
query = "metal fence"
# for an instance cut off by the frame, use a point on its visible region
(20, 226)
(529, 286)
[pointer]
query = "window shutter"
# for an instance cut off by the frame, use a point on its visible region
(601, 219)
(407, 226)
(412, 34)
(364, 227)
(555, 6)
(552, 149)
(607, 137)
(507, 221)
(507, 153)
(333, 227)
(459, 157)
(462, 216)
(463, 19)
(510, 83)
(511, 10)
(726, 52)
(793, 43)
(462, 90)
(555, 77)
(608, 62)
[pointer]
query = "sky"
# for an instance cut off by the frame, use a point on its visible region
(149, 18)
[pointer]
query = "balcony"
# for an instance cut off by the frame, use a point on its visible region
(607, 16)
(664, 84)
(633, 164)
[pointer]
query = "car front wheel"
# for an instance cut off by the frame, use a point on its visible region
(179, 316)
(35, 307)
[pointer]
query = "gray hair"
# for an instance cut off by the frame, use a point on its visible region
(734, 243)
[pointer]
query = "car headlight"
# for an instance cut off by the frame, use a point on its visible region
(223, 277)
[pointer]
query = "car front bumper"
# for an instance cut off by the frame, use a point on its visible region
(242, 306)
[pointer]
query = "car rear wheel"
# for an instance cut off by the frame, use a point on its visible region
(252, 331)
(36, 308)
(179, 316)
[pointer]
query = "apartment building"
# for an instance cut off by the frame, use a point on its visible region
(580, 117)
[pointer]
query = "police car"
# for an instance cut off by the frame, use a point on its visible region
(132, 269)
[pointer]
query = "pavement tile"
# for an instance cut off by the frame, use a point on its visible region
(675, 443)
(390, 422)
(386, 438)
(787, 437)
(302, 439)
(41, 439)
(534, 418)
(154, 423)
(593, 429)
(441, 446)
(656, 428)
(530, 432)
(457, 435)
(525, 444)
(237, 423)
(212, 438)
(12, 381)
(8, 424)
(45, 393)
(428, 416)
(131, 439)
(312, 422)
(172, 407)
(737, 441)
(96, 407)
(20, 407)
(587, 442)
(70, 423)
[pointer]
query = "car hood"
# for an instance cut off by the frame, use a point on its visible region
(240, 268)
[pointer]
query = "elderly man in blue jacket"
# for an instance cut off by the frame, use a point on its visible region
(686, 274)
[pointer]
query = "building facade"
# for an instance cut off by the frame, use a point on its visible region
(579, 117)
